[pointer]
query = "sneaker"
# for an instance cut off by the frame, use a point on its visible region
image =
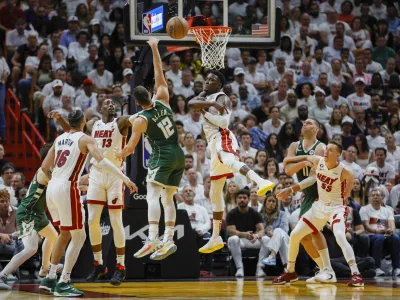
(48, 285)
(66, 289)
(98, 272)
(119, 275)
(166, 250)
(260, 272)
(148, 248)
(269, 261)
(396, 272)
(239, 272)
(379, 272)
(325, 276)
(3, 284)
(286, 278)
(214, 244)
(264, 187)
(356, 280)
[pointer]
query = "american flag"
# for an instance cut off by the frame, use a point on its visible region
(259, 29)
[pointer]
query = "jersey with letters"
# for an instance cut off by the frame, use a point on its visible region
(69, 160)
(330, 188)
(108, 137)
(209, 128)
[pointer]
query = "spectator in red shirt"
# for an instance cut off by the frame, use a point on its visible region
(9, 14)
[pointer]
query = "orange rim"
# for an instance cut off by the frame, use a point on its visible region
(206, 33)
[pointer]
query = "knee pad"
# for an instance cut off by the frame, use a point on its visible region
(233, 241)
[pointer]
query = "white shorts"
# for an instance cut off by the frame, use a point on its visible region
(220, 143)
(105, 189)
(64, 203)
(320, 214)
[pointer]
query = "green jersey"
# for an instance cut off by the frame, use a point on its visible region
(310, 193)
(167, 162)
(31, 213)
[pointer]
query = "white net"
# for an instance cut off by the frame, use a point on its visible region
(213, 42)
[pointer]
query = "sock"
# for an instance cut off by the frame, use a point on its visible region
(65, 277)
(98, 257)
(216, 228)
(2, 275)
(324, 253)
(52, 272)
(153, 231)
(168, 234)
(254, 177)
(319, 262)
(121, 259)
(290, 266)
(354, 269)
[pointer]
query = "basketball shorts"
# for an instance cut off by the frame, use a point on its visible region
(320, 214)
(28, 221)
(105, 189)
(306, 204)
(220, 144)
(64, 204)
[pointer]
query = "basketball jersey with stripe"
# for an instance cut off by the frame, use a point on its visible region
(209, 128)
(35, 199)
(69, 160)
(330, 188)
(108, 137)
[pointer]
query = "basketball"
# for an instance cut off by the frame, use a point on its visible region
(177, 28)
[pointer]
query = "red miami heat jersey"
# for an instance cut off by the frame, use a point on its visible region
(330, 189)
(69, 160)
(108, 138)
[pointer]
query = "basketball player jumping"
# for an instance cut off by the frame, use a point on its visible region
(105, 189)
(224, 150)
(67, 158)
(335, 182)
(33, 223)
(307, 181)
(166, 162)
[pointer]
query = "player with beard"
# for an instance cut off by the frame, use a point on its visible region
(224, 150)
(105, 189)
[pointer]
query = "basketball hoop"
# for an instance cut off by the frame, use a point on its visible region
(212, 40)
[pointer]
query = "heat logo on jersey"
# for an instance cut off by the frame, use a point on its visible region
(326, 182)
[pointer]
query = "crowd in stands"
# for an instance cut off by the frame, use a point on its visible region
(338, 62)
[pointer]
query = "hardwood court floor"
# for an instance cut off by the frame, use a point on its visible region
(225, 288)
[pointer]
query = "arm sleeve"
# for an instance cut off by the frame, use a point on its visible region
(220, 121)
(309, 181)
(108, 167)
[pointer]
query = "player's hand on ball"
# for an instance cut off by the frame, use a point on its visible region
(283, 194)
(153, 41)
(132, 187)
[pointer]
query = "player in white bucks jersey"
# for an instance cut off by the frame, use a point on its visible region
(105, 189)
(335, 182)
(224, 151)
(64, 163)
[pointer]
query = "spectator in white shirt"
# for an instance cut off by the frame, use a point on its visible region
(244, 60)
(239, 80)
(246, 150)
(275, 74)
(102, 79)
(17, 36)
(61, 74)
(191, 176)
(289, 112)
(386, 171)
(395, 197)
(237, 8)
(320, 111)
(350, 158)
(273, 124)
(88, 98)
(348, 41)
(334, 125)
(194, 123)
(318, 65)
(238, 114)
(79, 49)
(371, 66)
(337, 75)
(378, 10)
(7, 173)
(174, 74)
(393, 150)
(389, 71)
(103, 15)
(374, 139)
(185, 87)
(53, 101)
(126, 86)
(359, 98)
(203, 162)
(58, 61)
(255, 78)
(85, 66)
(317, 17)
(305, 21)
(335, 100)
(303, 41)
(54, 42)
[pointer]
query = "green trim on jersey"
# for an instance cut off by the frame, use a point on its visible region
(310, 193)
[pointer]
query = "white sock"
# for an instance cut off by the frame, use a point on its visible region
(3, 275)
(65, 277)
(216, 228)
(153, 231)
(121, 259)
(98, 257)
(52, 272)
(319, 262)
(354, 269)
(254, 177)
(324, 253)
(168, 234)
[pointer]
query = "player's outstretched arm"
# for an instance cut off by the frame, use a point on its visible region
(348, 176)
(286, 192)
(139, 125)
(161, 84)
(311, 159)
(48, 162)
(105, 164)
(60, 120)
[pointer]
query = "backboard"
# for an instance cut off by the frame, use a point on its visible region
(258, 29)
